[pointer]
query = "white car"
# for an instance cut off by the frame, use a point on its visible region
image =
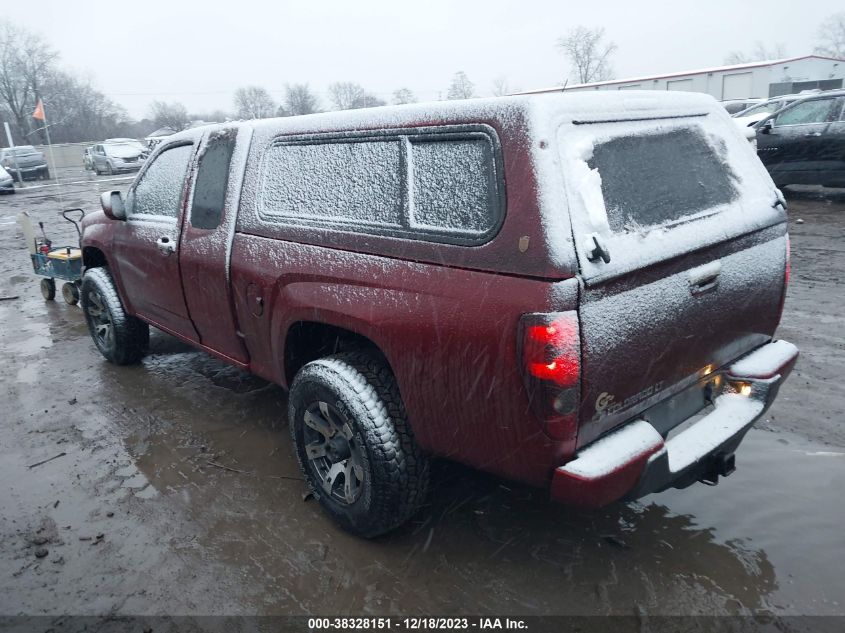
(7, 183)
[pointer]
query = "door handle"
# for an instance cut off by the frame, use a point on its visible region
(813, 134)
(165, 245)
(596, 249)
(704, 278)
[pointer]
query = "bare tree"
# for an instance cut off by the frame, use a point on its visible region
(588, 53)
(500, 86)
(403, 95)
(253, 102)
(759, 54)
(25, 62)
(172, 115)
(347, 95)
(461, 87)
(77, 111)
(831, 36)
(298, 100)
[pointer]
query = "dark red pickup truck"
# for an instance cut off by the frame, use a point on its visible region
(574, 291)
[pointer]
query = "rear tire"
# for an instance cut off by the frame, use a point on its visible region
(347, 419)
(121, 338)
(70, 293)
(48, 289)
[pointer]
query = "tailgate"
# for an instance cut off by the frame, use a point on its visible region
(681, 247)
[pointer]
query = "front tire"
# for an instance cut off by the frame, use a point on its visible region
(354, 443)
(121, 338)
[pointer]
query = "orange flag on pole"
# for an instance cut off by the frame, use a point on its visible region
(39, 111)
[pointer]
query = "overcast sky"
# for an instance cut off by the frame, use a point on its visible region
(198, 53)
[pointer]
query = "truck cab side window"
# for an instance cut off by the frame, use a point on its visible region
(159, 191)
(212, 178)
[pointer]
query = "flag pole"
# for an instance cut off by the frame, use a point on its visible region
(52, 156)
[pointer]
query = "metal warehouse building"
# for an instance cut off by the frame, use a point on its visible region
(740, 81)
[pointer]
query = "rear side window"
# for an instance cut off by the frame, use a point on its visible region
(653, 179)
(453, 187)
(159, 191)
(212, 178)
(434, 186)
(342, 183)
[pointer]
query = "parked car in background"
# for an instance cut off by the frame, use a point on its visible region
(752, 115)
(735, 106)
(7, 183)
(551, 288)
(118, 155)
(804, 143)
(87, 158)
(24, 162)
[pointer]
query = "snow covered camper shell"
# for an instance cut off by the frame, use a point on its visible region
(578, 292)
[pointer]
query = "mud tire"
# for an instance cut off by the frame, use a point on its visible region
(362, 388)
(130, 336)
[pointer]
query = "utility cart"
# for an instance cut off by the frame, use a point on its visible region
(51, 263)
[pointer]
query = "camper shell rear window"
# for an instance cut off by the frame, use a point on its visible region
(660, 178)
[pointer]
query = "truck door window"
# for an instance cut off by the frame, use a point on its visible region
(213, 175)
(159, 192)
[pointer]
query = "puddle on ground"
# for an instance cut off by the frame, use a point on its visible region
(193, 459)
(481, 545)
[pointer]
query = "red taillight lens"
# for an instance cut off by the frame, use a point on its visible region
(551, 362)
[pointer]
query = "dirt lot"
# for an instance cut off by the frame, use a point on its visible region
(137, 514)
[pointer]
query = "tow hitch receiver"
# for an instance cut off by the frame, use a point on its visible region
(721, 464)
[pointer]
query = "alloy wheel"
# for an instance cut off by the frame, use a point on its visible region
(333, 453)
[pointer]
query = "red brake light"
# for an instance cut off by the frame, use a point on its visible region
(551, 360)
(548, 352)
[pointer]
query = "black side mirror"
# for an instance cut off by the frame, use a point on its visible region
(113, 207)
(767, 126)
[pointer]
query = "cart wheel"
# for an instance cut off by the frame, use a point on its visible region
(48, 289)
(70, 291)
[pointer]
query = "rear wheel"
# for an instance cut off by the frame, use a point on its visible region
(70, 293)
(354, 443)
(48, 289)
(121, 338)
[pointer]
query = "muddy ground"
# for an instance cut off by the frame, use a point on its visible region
(135, 515)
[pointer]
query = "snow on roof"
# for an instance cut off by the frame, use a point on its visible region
(701, 71)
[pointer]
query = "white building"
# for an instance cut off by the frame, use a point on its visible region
(740, 81)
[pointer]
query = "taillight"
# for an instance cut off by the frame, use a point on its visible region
(551, 365)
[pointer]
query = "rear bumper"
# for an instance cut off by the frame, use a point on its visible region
(637, 460)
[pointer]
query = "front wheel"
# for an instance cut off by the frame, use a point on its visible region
(121, 338)
(354, 443)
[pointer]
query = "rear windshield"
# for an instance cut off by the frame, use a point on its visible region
(653, 179)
